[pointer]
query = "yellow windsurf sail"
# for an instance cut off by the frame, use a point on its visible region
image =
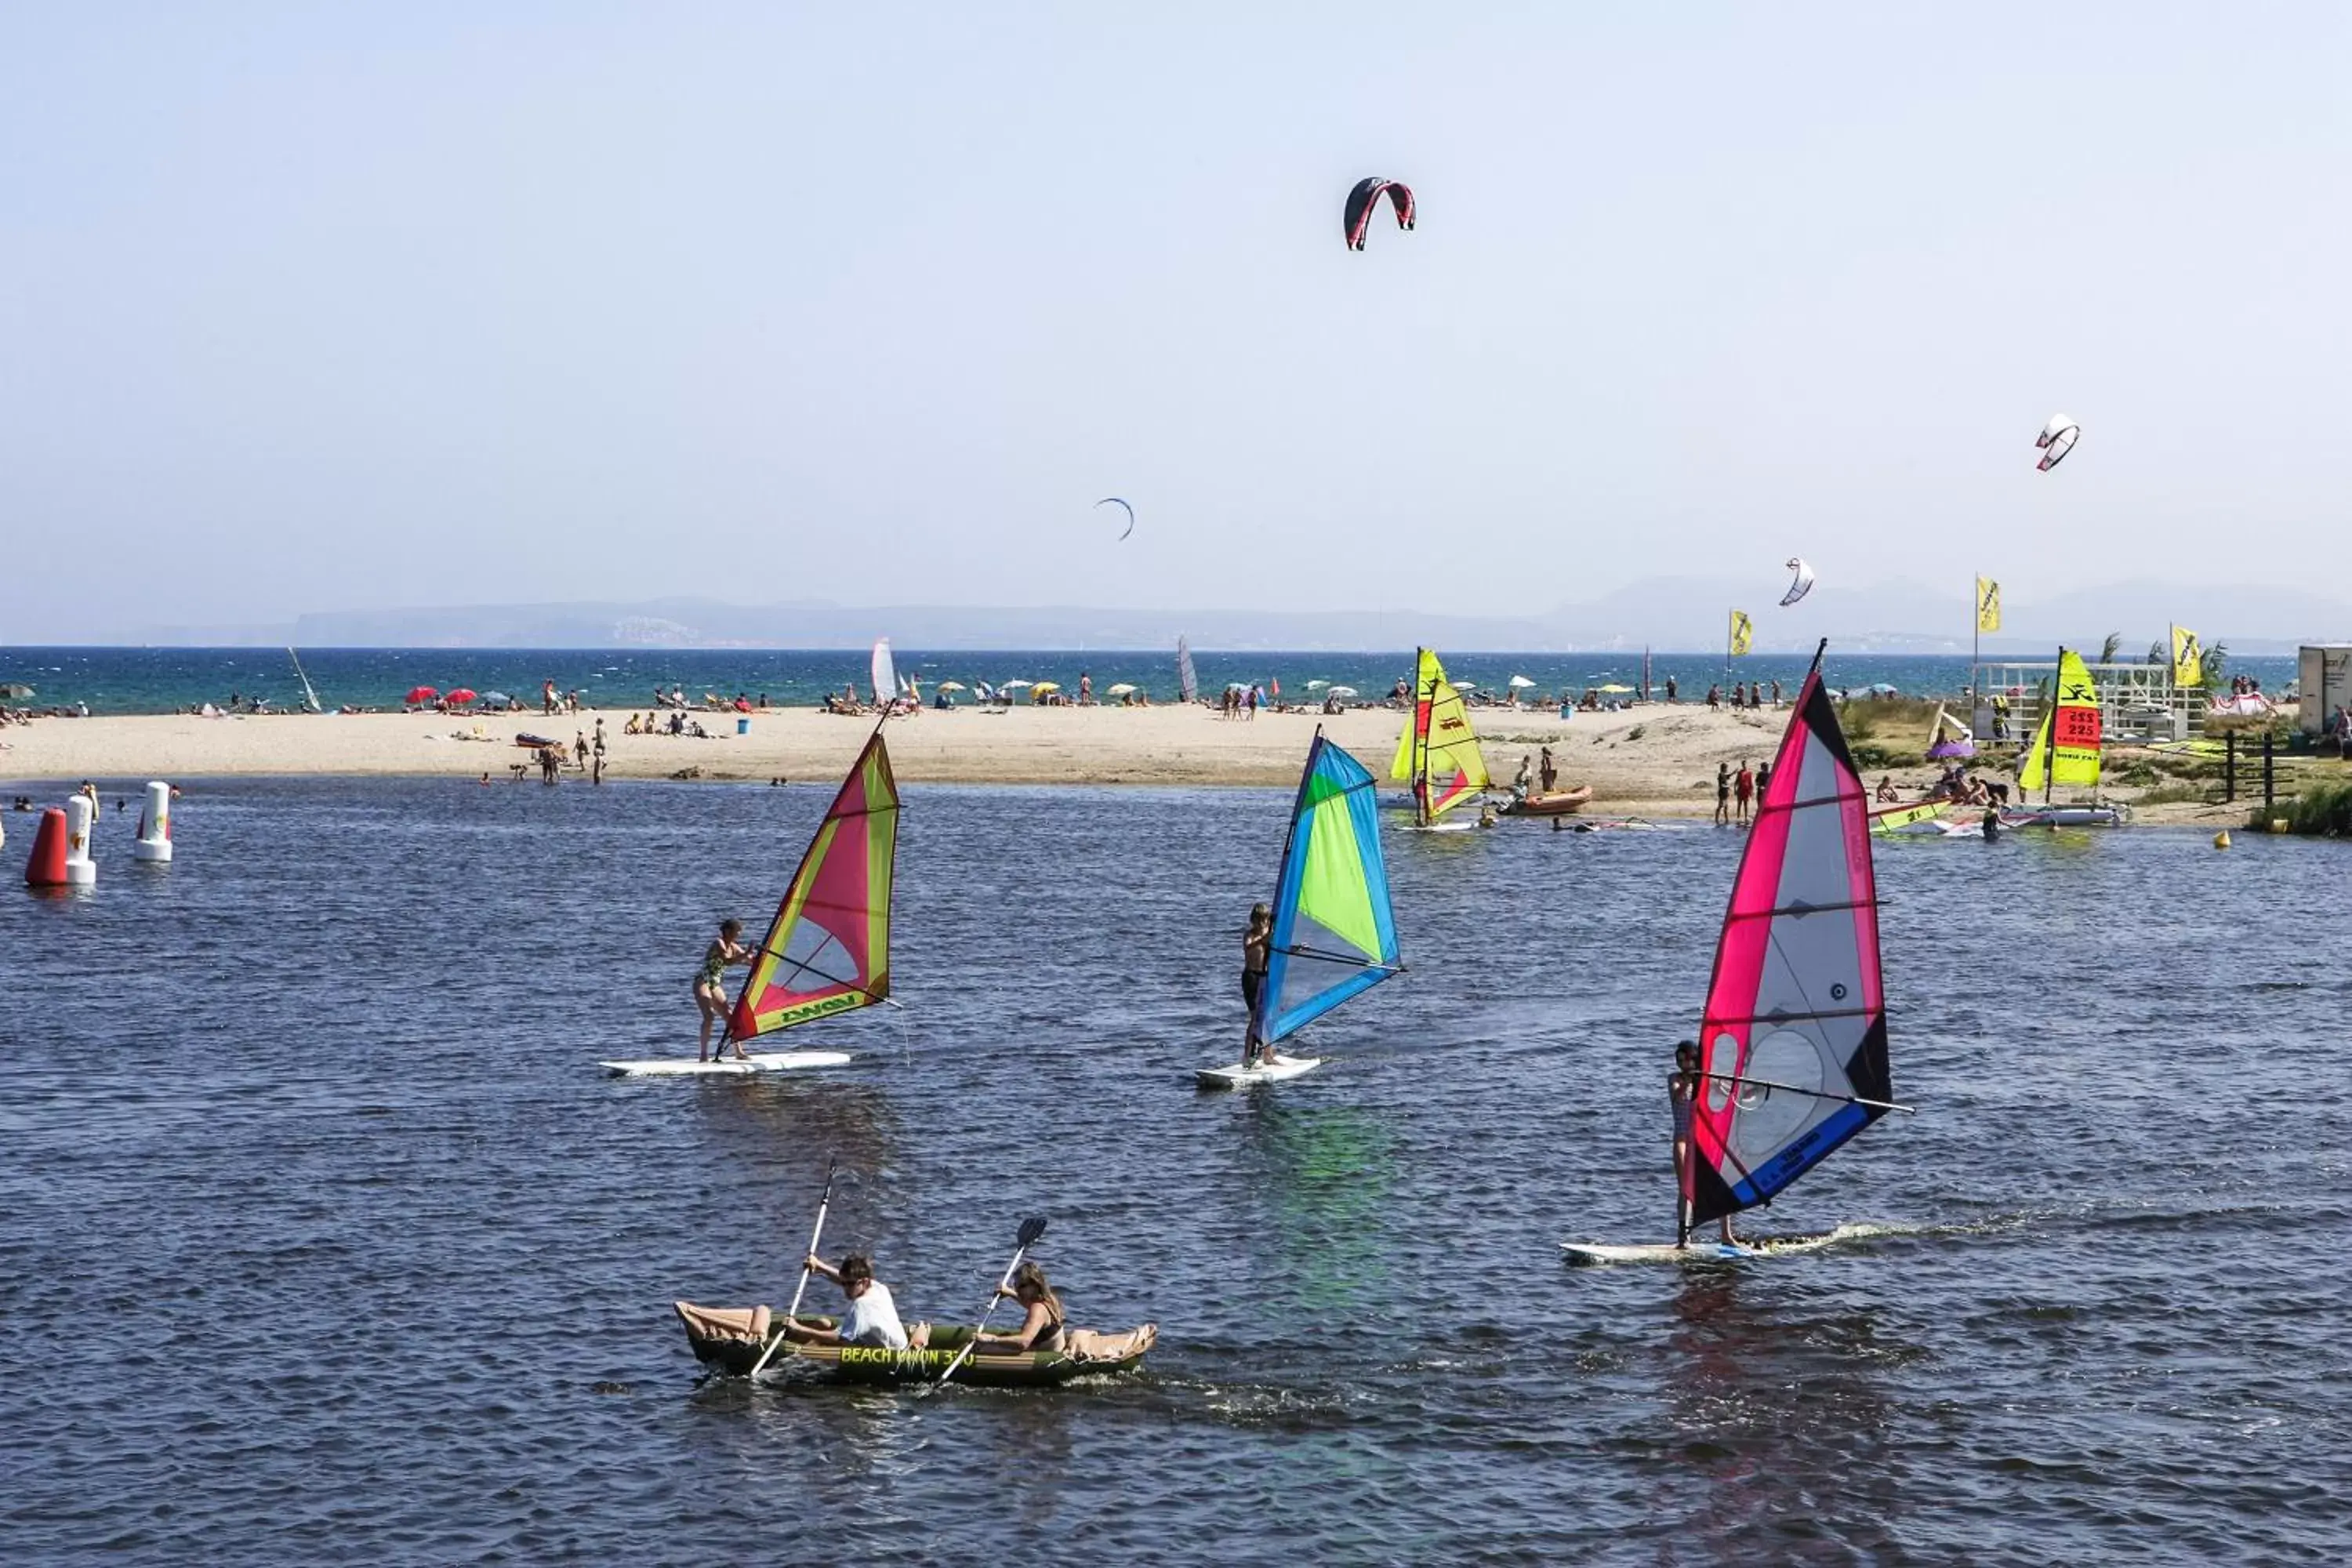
(2066, 749)
(1438, 754)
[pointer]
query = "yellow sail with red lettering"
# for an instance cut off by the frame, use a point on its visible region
(2066, 749)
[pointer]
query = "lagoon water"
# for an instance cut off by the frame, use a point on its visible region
(322, 1237)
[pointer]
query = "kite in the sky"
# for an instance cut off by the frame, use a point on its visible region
(1365, 197)
(1802, 585)
(1114, 500)
(2057, 440)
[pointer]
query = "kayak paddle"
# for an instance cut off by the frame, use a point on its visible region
(816, 1235)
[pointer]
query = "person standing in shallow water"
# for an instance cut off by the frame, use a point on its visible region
(711, 983)
(1257, 945)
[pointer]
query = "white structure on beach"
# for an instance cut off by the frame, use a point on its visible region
(2324, 682)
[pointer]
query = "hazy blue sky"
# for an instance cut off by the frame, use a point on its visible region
(324, 306)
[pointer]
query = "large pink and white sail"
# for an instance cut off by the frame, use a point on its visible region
(1794, 1040)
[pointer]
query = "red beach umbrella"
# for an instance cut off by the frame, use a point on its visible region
(421, 695)
(464, 694)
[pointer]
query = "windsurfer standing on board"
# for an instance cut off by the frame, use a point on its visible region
(1257, 942)
(710, 982)
(1681, 1093)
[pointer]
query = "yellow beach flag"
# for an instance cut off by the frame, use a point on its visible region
(1743, 633)
(2187, 658)
(1988, 604)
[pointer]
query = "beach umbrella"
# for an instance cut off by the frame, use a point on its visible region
(1046, 685)
(1464, 685)
(497, 699)
(1015, 685)
(1317, 685)
(1343, 691)
(1121, 689)
(1519, 682)
(15, 688)
(419, 695)
(1883, 689)
(1612, 687)
(952, 686)
(464, 694)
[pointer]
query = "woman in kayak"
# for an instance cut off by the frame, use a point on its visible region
(1257, 942)
(1041, 1329)
(710, 982)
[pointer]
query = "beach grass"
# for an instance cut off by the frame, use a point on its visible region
(2323, 809)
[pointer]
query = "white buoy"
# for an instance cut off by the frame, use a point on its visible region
(154, 841)
(81, 871)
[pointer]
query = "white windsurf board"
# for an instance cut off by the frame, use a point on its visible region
(1240, 1077)
(728, 1066)
(1711, 1250)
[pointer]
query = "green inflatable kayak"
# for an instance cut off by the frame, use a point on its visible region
(733, 1339)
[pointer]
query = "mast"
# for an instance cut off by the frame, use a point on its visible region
(2050, 721)
(1423, 705)
(310, 696)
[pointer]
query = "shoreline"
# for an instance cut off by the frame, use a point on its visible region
(1651, 760)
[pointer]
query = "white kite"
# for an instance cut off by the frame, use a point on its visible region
(1802, 585)
(2057, 440)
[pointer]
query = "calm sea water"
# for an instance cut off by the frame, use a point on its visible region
(321, 1235)
(160, 680)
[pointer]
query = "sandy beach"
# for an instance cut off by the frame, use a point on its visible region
(1651, 760)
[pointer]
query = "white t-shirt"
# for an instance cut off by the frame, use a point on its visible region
(873, 1320)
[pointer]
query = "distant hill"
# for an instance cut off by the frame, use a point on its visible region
(1665, 614)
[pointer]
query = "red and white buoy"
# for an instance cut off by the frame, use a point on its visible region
(46, 869)
(81, 871)
(154, 841)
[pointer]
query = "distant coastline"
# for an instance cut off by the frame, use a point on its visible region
(1667, 612)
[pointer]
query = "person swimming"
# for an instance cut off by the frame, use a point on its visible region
(711, 983)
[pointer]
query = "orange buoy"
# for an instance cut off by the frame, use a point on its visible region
(46, 869)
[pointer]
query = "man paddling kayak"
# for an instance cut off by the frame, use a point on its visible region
(871, 1318)
(1682, 1094)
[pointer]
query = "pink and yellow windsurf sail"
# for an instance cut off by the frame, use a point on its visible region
(828, 950)
(1793, 1045)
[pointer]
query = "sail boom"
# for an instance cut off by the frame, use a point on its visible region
(1796, 1017)
(1816, 1093)
(1795, 911)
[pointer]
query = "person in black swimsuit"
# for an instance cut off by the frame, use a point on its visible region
(1683, 1086)
(1041, 1329)
(1257, 942)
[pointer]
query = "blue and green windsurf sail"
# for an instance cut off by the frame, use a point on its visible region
(1334, 930)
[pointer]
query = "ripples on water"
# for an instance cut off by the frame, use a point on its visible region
(322, 1235)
